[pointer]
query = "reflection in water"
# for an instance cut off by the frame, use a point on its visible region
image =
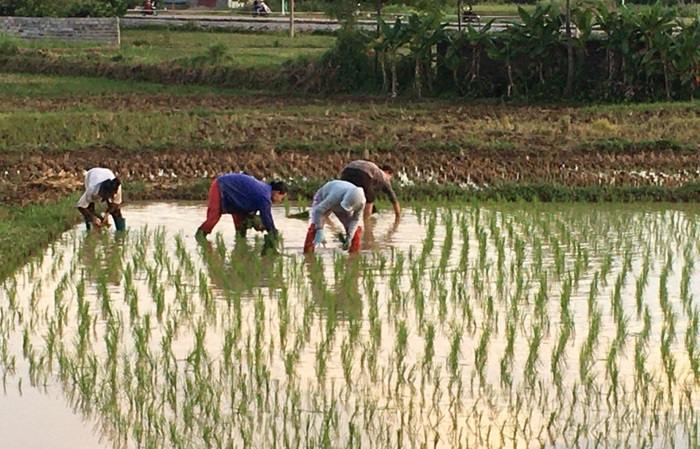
(486, 326)
(240, 271)
(102, 254)
(385, 239)
(343, 301)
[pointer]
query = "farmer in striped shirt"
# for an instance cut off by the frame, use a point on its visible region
(372, 179)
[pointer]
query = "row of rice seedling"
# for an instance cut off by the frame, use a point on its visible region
(493, 325)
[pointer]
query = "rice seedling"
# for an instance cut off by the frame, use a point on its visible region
(177, 347)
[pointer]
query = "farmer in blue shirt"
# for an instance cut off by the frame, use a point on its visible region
(242, 196)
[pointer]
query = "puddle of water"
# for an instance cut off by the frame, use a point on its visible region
(506, 324)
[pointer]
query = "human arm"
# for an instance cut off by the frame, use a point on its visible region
(386, 187)
(397, 209)
(90, 217)
(266, 217)
(113, 204)
(111, 208)
(321, 211)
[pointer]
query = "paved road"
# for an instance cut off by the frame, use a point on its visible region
(249, 23)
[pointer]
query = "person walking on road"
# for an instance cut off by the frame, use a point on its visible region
(372, 179)
(101, 184)
(347, 202)
(242, 196)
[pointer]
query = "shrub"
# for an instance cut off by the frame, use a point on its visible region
(8, 46)
(65, 8)
(346, 67)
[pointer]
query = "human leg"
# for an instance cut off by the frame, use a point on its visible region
(119, 221)
(238, 223)
(213, 210)
(88, 214)
(356, 242)
(309, 241)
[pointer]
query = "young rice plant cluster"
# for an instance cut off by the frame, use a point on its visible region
(495, 326)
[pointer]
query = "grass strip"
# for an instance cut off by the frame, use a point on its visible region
(25, 231)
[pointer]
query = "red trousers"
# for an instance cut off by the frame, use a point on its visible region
(355, 245)
(214, 211)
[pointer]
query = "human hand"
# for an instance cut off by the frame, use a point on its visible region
(96, 222)
(258, 224)
(318, 238)
(105, 221)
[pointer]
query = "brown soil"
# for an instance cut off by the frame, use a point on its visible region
(416, 131)
(39, 178)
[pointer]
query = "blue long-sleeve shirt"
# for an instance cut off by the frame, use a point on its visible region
(243, 194)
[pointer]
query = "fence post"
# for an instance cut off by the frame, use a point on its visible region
(291, 18)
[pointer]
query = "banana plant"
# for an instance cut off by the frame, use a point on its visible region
(542, 37)
(504, 49)
(468, 41)
(621, 43)
(657, 27)
(456, 45)
(582, 20)
(424, 32)
(685, 57)
(479, 39)
(537, 38)
(387, 46)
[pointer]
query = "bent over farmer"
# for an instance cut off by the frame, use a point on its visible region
(242, 196)
(372, 179)
(102, 185)
(347, 202)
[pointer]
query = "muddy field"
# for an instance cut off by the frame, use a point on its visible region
(427, 142)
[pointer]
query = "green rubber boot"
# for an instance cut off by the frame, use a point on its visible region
(200, 236)
(120, 224)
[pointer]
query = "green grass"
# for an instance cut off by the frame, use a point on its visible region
(42, 86)
(79, 113)
(26, 231)
(246, 50)
(183, 48)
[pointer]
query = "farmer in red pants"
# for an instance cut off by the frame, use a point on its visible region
(242, 196)
(347, 202)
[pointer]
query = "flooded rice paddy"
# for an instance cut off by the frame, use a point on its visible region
(492, 325)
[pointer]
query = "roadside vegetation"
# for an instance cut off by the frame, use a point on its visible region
(615, 55)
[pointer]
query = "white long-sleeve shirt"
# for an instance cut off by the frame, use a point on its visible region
(93, 178)
(344, 199)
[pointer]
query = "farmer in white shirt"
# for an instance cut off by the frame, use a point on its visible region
(102, 185)
(347, 202)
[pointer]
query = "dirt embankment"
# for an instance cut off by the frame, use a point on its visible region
(298, 139)
(32, 178)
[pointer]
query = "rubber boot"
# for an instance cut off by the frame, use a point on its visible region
(120, 224)
(309, 242)
(200, 236)
(356, 243)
